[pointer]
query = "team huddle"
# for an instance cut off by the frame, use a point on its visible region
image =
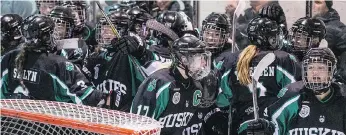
(156, 64)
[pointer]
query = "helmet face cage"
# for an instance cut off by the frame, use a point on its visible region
(62, 29)
(141, 30)
(38, 38)
(79, 14)
(11, 34)
(198, 64)
(214, 36)
(301, 40)
(317, 73)
(104, 34)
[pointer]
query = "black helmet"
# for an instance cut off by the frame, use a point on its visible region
(116, 7)
(318, 78)
(79, 8)
(104, 33)
(64, 22)
(10, 27)
(189, 52)
(121, 20)
(179, 22)
(264, 33)
(306, 33)
(216, 30)
(37, 31)
(138, 18)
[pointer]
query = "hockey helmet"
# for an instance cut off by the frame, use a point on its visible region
(306, 33)
(216, 30)
(37, 31)
(319, 65)
(64, 23)
(264, 33)
(189, 53)
(10, 27)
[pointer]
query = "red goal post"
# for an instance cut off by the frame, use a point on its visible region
(21, 116)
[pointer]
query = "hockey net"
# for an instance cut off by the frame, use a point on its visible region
(38, 117)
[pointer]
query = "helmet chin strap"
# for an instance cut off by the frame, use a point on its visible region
(320, 92)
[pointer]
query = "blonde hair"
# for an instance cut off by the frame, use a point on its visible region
(243, 65)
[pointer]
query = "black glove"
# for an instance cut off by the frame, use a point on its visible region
(209, 88)
(275, 12)
(128, 45)
(260, 127)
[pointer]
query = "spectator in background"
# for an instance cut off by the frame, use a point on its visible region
(336, 31)
(45, 6)
(22, 8)
(176, 5)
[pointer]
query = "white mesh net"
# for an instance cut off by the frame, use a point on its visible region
(52, 118)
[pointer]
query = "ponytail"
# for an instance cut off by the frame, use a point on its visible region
(243, 64)
(20, 61)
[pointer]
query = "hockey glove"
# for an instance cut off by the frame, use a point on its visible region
(209, 88)
(259, 127)
(128, 45)
(276, 13)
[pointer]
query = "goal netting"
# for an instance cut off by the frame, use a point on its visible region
(38, 117)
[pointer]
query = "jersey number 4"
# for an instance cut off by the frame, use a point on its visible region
(261, 88)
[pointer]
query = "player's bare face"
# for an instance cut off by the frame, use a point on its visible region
(319, 8)
(317, 73)
(212, 37)
(107, 33)
(300, 40)
(76, 18)
(45, 8)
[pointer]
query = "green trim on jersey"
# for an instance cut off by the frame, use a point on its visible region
(282, 116)
(330, 95)
(156, 57)
(134, 75)
(283, 77)
(292, 57)
(4, 84)
(64, 53)
(162, 98)
(218, 64)
(62, 92)
(222, 99)
(87, 92)
(243, 126)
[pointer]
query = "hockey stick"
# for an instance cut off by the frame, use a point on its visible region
(261, 66)
(308, 8)
(238, 11)
(118, 36)
(154, 25)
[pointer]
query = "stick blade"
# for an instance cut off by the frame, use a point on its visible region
(264, 63)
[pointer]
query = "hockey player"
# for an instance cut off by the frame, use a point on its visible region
(34, 72)
(180, 24)
(315, 105)
(138, 18)
(216, 31)
(237, 68)
(45, 6)
(73, 49)
(83, 29)
(180, 96)
(10, 32)
(305, 33)
(116, 68)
